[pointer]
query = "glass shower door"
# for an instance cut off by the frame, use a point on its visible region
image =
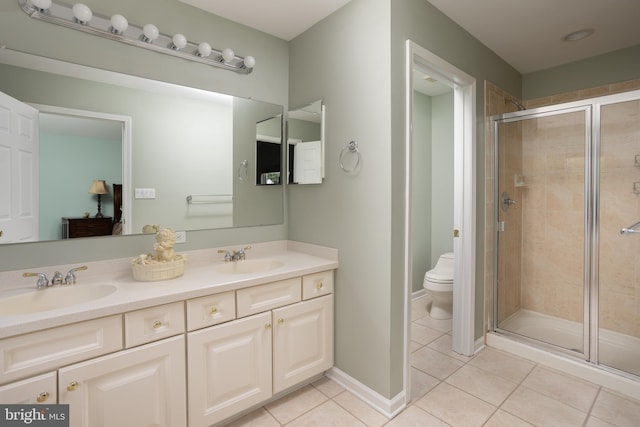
(619, 252)
(541, 281)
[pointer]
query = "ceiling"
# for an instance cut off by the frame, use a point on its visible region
(525, 33)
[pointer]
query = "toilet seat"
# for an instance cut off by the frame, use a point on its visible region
(432, 276)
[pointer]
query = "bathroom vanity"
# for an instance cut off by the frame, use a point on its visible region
(196, 350)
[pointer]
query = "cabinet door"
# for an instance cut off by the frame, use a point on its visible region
(37, 390)
(144, 386)
(302, 341)
(229, 368)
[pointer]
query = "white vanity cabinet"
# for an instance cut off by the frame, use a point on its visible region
(41, 389)
(302, 341)
(282, 341)
(143, 386)
(229, 368)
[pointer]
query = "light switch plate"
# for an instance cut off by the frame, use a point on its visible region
(145, 193)
(181, 236)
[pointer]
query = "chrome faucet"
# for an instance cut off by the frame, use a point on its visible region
(57, 279)
(235, 255)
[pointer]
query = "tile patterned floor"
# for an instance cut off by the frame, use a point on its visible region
(492, 389)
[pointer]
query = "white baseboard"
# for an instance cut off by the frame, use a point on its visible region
(418, 294)
(387, 407)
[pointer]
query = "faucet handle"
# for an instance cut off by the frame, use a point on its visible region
(70, 278)
(42, 282)
(227, 254)
(57, 278)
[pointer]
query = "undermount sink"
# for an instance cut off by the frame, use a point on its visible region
(61, 296)
(248, 266)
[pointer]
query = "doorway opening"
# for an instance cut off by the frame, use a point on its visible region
(422, 65)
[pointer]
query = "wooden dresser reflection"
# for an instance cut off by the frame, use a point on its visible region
(86, 227)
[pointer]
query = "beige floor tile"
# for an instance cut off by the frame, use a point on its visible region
(504, 419)
(443, 345)
(596, 422)
(327, 387)
(456, 407)
(502, 364)
(415, 417)
(413, 346)
(434, 363)
(564, 388)
(258, 418)
(295, 404)
(419, 307)
(360, 409)
(541, 410)
(616, 409)
(421, 383)
(443, 325)
(423, 334)
(482, 384)
(327, 414)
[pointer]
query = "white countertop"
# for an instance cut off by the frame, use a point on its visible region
(200, 279)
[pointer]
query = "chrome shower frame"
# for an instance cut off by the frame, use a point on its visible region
(592, 110)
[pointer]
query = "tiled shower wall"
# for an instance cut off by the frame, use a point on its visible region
(552, 244)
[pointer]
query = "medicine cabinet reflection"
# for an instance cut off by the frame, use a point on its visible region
(306, 144)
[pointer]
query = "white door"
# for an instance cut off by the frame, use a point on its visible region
(302, 341)
(229, 368)
(307, 168)
(141, 387)
(18, 171)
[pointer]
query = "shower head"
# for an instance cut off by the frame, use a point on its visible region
(516, 103)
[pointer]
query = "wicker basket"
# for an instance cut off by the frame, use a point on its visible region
(159, 271)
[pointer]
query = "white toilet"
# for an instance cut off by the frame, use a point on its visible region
(438, 284)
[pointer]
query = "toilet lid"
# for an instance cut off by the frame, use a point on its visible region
(437, 278)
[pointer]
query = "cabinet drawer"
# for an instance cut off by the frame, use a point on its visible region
(26, 355)
(152, 324)
(318, 284)
(210, 310)
(266, 297)
(42, 389)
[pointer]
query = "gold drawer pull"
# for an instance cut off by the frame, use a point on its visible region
(280, 321)
(213, 310)
(73, 385)
(42, 397)
(319, 285)
(267, 326)
(157, 324)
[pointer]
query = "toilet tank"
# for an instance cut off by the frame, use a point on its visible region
(443, 269)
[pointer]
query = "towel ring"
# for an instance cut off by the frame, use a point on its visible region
(351, 147)
(243, 170)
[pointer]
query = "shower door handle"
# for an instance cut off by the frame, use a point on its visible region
(631, 230)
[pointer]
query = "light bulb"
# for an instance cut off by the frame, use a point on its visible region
(119, 24)
(41, 4)
(82, 13)
(204, 49)
(178, 42)
(228, 55)
(150, 33)
(249, 62)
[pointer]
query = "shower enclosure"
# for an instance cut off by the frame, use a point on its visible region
(567, 241)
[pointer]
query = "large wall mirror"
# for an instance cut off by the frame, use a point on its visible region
(305, 139)
(185, 157)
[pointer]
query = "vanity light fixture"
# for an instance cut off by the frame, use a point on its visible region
(80, 17)
(119, 24)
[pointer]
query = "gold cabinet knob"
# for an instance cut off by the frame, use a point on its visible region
(157, 324)
(319, 285)
(1, 233)
(267, 326)
(42, 397)
(280, 321)
(213, 310)
(73, 385)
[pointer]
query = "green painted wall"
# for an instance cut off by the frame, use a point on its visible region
(613, 67)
